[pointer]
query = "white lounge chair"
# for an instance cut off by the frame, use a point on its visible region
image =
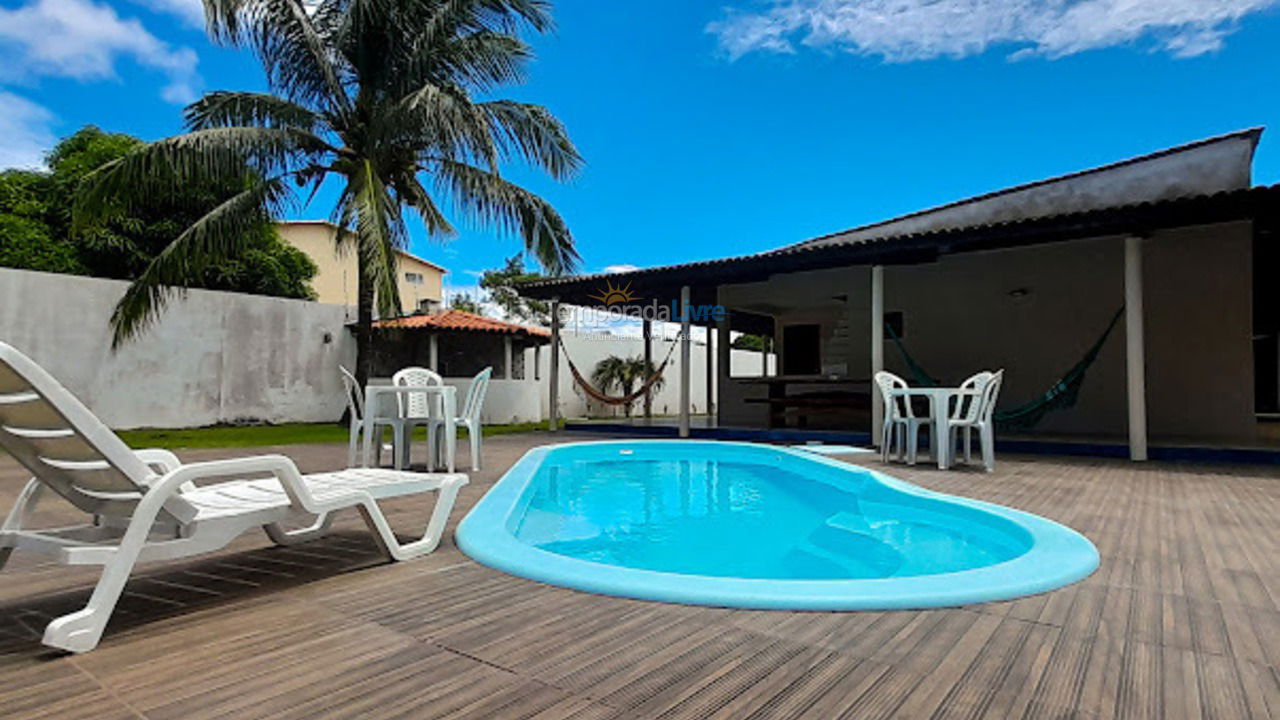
(470, 418)
(146, 506)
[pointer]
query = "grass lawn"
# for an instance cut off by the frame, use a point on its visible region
(221, 436)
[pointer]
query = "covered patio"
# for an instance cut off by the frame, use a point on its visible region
(1177, 244)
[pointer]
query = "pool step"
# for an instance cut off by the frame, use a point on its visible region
(844, 541)
(816, 562)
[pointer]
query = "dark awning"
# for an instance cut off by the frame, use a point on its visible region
(663, 283)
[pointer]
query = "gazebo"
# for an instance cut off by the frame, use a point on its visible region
(455, 343)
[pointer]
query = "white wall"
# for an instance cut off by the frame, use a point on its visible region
(506, 401)
(213, 357)
(587, 350)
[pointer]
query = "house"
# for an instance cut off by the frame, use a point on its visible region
(1177, 244)
(420, 282)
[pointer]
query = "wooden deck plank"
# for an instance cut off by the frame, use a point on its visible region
(1181, 621)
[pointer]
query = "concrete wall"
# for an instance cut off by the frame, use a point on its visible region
(1035, 312)
(213, 357)
(336, 279)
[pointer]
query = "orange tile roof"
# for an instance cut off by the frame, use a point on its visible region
(461, 321)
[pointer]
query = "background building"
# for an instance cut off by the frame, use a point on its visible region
(421, 283)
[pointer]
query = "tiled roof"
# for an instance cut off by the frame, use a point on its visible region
(457, 320)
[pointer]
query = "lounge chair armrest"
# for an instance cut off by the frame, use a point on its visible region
(159, 459)
(278, 466)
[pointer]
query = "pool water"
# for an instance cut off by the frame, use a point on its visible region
(758, 526)
(748, 520)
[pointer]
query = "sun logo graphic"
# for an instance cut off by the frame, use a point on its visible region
(615, 295)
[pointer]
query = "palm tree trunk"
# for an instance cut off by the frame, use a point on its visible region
(364, 327)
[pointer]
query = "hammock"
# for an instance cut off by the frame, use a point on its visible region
(601, 397)
(1061, 396)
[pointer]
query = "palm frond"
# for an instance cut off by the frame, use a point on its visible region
(491, 201)
(245, 109)
(166, 166)
(367, 209)
(297, 57)
(219, 234)
(535, 134)
(410, 190)
(443, 120)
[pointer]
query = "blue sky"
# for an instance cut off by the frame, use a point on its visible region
(730, 126)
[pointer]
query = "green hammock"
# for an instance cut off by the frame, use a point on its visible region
(1062, 395)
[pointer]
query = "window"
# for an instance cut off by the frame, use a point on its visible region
(413, 278)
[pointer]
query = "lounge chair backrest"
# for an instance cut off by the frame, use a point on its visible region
(65, 446)
(475, 394)
(355, 395)
(894, 407)
(966, 408)
(989, 396)
(416, 404)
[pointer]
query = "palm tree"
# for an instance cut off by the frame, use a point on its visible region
(377, 96)
(623, 374)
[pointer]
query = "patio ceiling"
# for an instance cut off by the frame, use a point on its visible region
(663, 283)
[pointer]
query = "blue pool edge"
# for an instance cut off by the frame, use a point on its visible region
(1058, 557)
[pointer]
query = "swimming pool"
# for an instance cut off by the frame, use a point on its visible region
(758, 526)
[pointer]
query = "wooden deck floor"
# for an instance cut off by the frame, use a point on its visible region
(1181, 620)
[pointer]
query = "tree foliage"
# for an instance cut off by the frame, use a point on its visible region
(624, 375)
(465, 303)
(381, 97)
(36, 231)
(759, 343)
(501, 286)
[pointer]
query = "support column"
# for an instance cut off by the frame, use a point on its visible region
(711, 370)
(723, 361)
(684, 361)
(647, 330)
(553, 417)
(1135, 349)
(433, 353)
(506, 357)
(877, 350)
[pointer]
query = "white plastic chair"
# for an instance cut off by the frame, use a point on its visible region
(971, 410)
(900, 423)
(144, 505)
(355, 411)
(470, 418)
(416, 408)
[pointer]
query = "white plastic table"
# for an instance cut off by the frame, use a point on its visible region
(939, 402)
(448, 401)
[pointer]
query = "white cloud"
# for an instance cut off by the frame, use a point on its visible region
(906, 30)
(620, 268)
(189, 11)
(84, 40)
(25, 132)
